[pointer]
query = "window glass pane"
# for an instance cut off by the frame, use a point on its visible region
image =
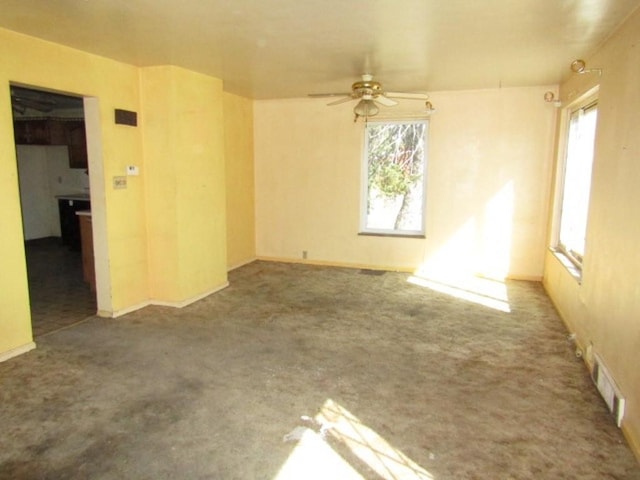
(395, 174)
(577, 181)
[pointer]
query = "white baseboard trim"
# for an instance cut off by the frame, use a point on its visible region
(241, 264)
(331, 263)
(191, 300)
(123, 311)
(180, 304)
(14, 352)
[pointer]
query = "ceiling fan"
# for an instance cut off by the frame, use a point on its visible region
(370, 93)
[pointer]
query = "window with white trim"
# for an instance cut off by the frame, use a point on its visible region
(394, 178)
(575, 180)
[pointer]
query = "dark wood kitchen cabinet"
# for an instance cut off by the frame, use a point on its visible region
(32, 132)
(77, 142)
(69, 223)
(54, 131)
(86, 236)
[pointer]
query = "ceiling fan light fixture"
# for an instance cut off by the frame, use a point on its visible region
(366, 108)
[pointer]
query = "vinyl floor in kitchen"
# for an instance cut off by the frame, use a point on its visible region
(59, 297)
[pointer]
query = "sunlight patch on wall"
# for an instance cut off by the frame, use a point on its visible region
(456, 256)
(479, 246)
(497, 232)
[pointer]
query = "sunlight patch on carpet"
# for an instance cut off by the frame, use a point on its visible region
(336, 444)
(482, 291)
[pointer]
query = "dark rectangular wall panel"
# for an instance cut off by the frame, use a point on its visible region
(126, 117)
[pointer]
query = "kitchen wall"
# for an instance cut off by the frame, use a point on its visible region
(488, 171)
(44, 173)
(603, 309)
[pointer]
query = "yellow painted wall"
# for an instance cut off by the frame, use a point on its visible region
(163, 238)
(604, 310)
(182, 121)
(121, 255)
(238, 146)
(488, 183)
(15, 317)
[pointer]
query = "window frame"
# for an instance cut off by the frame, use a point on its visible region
(587, 101)
(364, 182)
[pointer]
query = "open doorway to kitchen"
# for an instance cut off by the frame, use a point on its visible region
(53, 173)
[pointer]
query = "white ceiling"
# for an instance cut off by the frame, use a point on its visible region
(289, 48)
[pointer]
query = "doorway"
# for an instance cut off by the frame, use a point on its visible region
(53, 173)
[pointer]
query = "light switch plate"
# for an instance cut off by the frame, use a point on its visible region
(119, 182)
(133, 170)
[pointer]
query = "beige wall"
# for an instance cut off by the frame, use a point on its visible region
(488, 183)
(604, 310)
(238, 152)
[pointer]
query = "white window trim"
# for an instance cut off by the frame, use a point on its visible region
(364, 184)
(590, 97)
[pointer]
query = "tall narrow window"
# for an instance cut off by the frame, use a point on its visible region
(577, 181)
(394, 178)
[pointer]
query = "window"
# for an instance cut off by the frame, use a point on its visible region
(576, 181)
(394, 179)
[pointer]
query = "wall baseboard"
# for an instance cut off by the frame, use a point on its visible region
(325, 263)
(189, 301)
(630, 435)
(328, 263)
(14, 352)
(634, 443)
(241, 264)
(180, 304)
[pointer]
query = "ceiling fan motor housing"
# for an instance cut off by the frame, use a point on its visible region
(367, 87)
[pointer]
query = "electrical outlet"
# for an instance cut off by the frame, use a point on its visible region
(133, 170)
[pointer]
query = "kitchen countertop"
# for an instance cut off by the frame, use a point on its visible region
(84, 213)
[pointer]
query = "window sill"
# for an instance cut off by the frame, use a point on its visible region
(400, 235)
(573, 270)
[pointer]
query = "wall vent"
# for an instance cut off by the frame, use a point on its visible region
(608, 389)
(126, 117)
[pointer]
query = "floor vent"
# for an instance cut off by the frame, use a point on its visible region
(608, 389)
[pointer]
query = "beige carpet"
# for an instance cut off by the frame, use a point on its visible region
(309, 372)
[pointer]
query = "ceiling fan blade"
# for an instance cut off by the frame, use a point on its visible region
(341, 100)
(322, 95)
(383, 100)
(408, 95)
